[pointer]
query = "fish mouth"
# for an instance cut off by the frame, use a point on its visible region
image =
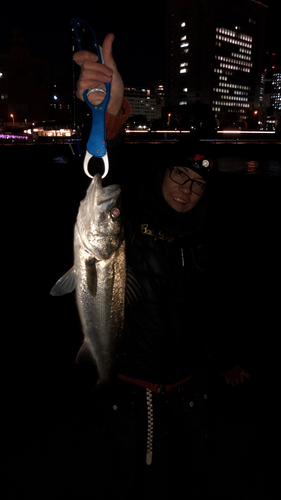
(107, 196)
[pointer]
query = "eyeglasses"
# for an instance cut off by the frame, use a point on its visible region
(180, 177)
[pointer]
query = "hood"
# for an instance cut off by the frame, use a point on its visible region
(177, 224)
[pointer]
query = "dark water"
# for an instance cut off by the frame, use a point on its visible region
(252, 163)
(267, 167)
(46, 439)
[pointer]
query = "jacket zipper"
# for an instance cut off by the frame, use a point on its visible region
(182, 258)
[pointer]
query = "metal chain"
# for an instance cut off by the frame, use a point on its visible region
(149, 443)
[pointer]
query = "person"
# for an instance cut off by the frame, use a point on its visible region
(155, 415)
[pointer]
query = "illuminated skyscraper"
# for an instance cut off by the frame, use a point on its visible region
(214, 55)
(276, 90)
(141, 101)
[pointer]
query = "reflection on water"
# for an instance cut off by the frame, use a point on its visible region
(60, 159)
(252, 167)
(232, 164)
(245, 165)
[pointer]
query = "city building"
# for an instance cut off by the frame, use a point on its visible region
(23, 93)
(215, 57)
(276, 90)
(29, 91)
(60, 96)
(159, 93)
(159, 96)
(142, 103)
(270, 110)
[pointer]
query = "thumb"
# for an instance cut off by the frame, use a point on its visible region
(107, 51)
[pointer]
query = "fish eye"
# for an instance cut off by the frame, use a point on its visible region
(115, 212)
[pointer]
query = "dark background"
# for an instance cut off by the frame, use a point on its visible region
(50, 441)
(139, 47)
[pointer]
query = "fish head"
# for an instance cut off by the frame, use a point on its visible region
(99, 218)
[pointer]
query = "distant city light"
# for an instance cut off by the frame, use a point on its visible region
(244, 132)
(7, 136)
(55, 97)
(159, 131)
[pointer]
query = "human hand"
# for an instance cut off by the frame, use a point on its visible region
(235, 376)
(94, 74)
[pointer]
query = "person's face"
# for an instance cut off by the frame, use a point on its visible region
(180, 197)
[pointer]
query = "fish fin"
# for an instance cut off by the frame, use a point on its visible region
(133, 288)
(85, 355)
(66, 284)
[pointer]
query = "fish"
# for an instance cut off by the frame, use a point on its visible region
(98, 276)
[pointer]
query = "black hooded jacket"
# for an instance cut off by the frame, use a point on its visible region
(166, 331)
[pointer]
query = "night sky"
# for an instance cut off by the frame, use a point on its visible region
(139, 37)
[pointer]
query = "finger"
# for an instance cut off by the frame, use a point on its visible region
(95, 98)
(107, 51)
(83, 55)
(87, 85)
(98, 75)
(97, 67)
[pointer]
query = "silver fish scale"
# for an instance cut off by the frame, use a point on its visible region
(101, 307)
(98, 275)
(99, 253)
